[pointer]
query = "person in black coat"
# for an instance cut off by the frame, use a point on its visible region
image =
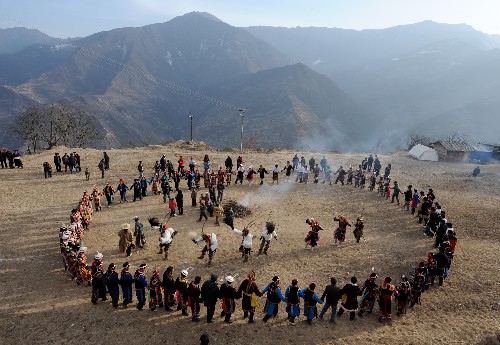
(57, 162)
(168, 285)
(229, 164)
(331, 297)
(210, 294)
(180, 202)
(350, 301)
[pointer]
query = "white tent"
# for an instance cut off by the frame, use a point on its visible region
(423, 153)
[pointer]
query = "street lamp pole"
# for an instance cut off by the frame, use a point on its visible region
(191, 119)
(242, 115)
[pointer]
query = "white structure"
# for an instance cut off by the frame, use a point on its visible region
(423, 153)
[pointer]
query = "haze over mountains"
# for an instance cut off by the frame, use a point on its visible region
(302, 87)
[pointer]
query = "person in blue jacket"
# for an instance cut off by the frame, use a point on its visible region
(122, 188)
(112, 282)
(274, 297)
(144, 186)
(126, 281)
(292, 301)
(141, 284)
(311, 298)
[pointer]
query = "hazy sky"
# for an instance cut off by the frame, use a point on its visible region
(71, 18)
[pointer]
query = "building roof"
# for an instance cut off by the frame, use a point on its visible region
(461, 146)
(483, 148)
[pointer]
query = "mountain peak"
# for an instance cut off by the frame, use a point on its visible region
(205, 15)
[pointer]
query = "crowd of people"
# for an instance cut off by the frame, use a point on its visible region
(183, 293)
(71, 163)
(10, 159)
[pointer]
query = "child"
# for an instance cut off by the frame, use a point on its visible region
(172, 205)
(87, 173)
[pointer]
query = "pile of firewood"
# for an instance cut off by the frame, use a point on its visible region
(239, 210)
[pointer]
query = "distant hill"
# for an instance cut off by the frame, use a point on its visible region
(316, 88)
(15, 39)
(403, 74)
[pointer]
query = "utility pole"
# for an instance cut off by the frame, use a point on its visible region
(191, 119)
(242, 115)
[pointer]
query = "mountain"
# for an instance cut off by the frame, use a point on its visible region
(15, 39)
(403, 74)
(290, 106)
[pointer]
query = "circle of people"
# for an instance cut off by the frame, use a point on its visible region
(170, 291)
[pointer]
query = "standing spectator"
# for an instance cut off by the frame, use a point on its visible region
(65, 160)
(71, 162)
(179, 198)
(17, 159)
(163, 163)
(172, 205)
(77, 162)
(194, 196)
(140, 169)
(181, 164)
(3, 159)
(106, 161)
(87, 173)
(102, 167)
(57, 162)
(295, 162)
(47, 170)
(229, 164)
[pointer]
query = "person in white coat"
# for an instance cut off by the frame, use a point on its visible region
(246, 242)
(210, 246)
(268, 232)
(166, 237)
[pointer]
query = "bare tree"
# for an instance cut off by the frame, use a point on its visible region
(58, 124)
(27, 126)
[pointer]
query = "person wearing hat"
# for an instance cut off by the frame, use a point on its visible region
(156, 298)
(98, 285)
(97, 261)
(311, 299)
(181, 285)
(292, 301)
(140, 237)
(331, 297)
(211, 246)
(312, 237)
(194, 298)
(385, 300)
(126, 240)
(274, 297)
(358, 228)
(349, 293)
(141, 284)
(369, 291)
(341, 175)
(112, 282)
(126, 282)
(168, 285)
(122, 188)
(210, 294)
(228, 294)
(249, 291)
(341, 229)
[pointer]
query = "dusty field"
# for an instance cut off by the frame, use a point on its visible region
(39, 305)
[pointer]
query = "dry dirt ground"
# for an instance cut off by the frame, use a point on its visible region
(40, 305)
